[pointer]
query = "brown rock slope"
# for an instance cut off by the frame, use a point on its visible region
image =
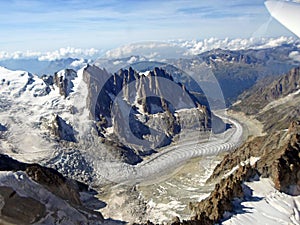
(255, 99)
(17, 209)
(278, 153)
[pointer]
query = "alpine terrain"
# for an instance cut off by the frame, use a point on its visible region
(208, 138)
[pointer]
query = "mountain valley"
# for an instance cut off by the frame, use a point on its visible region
(154, 142)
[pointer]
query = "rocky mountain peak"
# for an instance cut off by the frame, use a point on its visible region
(95, 78)
(132, 98)
(255, 99)
(60, 128)
(31, 193)
(63, 80)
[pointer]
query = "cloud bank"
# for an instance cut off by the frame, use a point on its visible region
(61, 53)
(154, 50)
(185, 48)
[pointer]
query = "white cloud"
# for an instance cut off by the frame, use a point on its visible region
(132, 60)
(183, 48)
(197, 47)
(78, 63)
(69, 52)
(295, 55)
(148, 49)
(52, 55)
(155, 50)
(117, 62)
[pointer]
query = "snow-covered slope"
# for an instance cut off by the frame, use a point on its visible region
(29, 106)
(23, 102)
(266, 205)
(48, 120)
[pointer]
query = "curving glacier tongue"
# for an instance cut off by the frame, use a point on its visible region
(51, 119)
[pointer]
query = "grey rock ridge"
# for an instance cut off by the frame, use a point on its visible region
(30, 193)
(275, 155)
(238, 70)
(277, 152)
(41, 67)
(144, 109)
(260, 95)
(63, 81)
(279, 160)
(60, 129)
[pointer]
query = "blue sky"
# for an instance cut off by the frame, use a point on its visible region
(38, 25)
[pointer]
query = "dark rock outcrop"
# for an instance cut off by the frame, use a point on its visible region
(221, 198)
(9, 164)
(16, 209)
(261, 94)
(283, 164)
(141, 107)
(95, 78)
(55, 182)
(61, 129)
(279, 158)
(63, 81)
(25, 210)
(3, 128)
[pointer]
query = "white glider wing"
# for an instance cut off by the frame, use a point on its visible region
(287, 13)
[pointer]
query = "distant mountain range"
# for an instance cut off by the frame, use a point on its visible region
(221, 74)
(101, 122)
(273, 155)
(40, 67)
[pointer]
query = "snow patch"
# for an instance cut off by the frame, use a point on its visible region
(267, 205)
(252, 160)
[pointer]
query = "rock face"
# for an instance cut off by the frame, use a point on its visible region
(63, 81)
(278, 155)
(60, 129)
(16, 209)
(283, 165)
(95, 78)
(55, 182)
(261, 94)
(178, 75)
(28, 205)
(221, 198)
(236, 71)
(140, 107)
(151, 93)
